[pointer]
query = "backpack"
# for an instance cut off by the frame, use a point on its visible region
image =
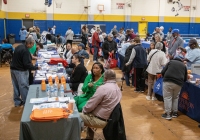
(126, 58)
(128, 53)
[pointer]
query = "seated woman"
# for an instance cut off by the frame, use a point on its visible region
(67, 53)
(192, 53)
(91, 83)
(38, 47)
(79, 73)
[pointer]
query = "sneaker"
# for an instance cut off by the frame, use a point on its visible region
(166, 116)
(122, 78)
(154, 98)
(174, 115)
(94, 61)
(148, 98)
(136, 90)
(142, 91)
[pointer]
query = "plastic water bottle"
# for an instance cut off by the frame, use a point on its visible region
(52, 90)
(55, 89)
(48, 90)
(61, 90)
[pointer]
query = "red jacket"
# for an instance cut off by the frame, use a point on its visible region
(95, 39)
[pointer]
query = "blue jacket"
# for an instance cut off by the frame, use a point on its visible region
(83, 53)
(22, 34)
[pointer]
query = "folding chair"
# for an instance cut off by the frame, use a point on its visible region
(96, 134)
(62, 50)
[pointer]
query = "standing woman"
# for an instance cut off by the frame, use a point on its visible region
(84, 35)
(152, 46)
(91, 83)
(158, 60)
(158, 38)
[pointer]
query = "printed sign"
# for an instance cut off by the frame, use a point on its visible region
(120, 5)
(186, 8)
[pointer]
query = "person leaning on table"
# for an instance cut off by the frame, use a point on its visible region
(19, 68)
(98, 109)
(192, 53)
(174, 75)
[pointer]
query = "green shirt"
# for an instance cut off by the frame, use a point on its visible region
(88, 91)
(33, 49)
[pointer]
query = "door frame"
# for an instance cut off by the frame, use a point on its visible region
(27, 19)
(139, 26)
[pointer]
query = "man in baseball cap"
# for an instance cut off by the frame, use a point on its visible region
(82, 53)
(81, 45)
(174, 43)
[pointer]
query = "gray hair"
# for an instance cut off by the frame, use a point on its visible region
(30, 40)
(110, 74)
(159, 46)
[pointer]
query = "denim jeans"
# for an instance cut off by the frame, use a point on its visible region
(95, 55)
(127, 79)
(121, 59)
(20, 81)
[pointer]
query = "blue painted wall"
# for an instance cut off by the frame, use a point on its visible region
(13, 27)
(62, 26)
(1, 30)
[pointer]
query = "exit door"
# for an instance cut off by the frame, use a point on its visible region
(142, 29)
(27, 23)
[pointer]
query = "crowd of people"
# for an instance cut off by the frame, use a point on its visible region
(165, 56)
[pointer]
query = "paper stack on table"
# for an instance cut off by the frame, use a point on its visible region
(47, 99)
(46, 56)
(50, 105)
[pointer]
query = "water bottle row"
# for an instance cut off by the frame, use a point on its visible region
(52, 90)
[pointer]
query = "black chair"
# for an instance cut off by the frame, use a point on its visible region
(115, 128)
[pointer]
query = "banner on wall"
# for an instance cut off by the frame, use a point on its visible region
(186, 8)
(120, 5)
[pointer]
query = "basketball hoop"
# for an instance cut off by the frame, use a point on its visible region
(58, 3)
(100, 8)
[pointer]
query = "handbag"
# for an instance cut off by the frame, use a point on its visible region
(112, 61)
(145, 73)
(158, 86)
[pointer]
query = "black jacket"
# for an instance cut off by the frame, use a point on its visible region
(115, 129)
(175, 71)
(22, 59)
(107, 47)
(78, 76)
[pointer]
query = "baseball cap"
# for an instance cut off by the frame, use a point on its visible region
(175, 31)
(82, 45)
(110, 35)
(192, 41)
